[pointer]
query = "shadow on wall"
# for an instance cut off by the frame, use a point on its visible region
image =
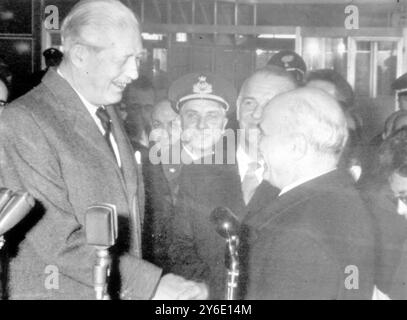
(374, 112)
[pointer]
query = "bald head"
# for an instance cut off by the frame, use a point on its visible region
(302, 130)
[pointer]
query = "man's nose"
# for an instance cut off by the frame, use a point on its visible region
(132, 69)
(258, 112)
(201, 123)
(401, 208)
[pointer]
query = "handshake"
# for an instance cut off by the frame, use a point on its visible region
(172, 287)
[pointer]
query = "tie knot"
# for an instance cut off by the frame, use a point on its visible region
(104, 118)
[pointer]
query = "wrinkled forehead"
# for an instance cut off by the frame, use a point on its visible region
(202, 106)
(260, 85)
(115, 38)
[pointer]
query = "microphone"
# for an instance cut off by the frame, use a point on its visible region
(13, 208)
(5, 196)
(227, 226)
(225, 222)
(101, 232)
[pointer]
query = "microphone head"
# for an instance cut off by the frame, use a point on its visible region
(5, 196)
(18, 206)
(101, 225)
(225, 222)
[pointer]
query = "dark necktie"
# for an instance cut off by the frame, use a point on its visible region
(104, 118)
(250, 182)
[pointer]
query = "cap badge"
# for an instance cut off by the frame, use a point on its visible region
(287, 59)
(202, 86)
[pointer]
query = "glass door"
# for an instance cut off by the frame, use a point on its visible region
(374, 63)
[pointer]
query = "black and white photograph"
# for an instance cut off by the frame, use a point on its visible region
(209, 150)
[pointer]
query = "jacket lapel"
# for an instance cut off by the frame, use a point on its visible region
(264, 193)
(132, 175)
(329, 182)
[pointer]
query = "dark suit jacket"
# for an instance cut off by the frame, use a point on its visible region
(391, 236)
(309, 241)
(51, 147)
(197, 251)
(161, 180)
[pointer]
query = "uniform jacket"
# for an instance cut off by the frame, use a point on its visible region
(51, 147)
(391, 236)
(314, 242)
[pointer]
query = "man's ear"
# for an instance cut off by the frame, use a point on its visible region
(79, 55)
(299, 146)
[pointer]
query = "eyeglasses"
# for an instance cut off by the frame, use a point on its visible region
(3, 103)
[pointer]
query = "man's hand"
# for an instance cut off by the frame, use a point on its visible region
(172, 287)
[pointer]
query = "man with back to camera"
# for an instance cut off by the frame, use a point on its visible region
(63, 143)
(316, 240)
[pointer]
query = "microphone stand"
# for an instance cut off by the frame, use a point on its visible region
(101, 272)
(232, 263)
(101, 233)
(227, 226)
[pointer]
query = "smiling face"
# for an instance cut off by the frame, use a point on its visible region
(107, 71)
(203, 122)
(256, 92)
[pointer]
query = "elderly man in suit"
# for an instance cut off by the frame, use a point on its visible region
(316, 240)
(64, 143)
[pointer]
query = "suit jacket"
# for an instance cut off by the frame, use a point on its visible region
(391, 236)
(161, 184)
(197, 251)
(51, 147)
(314, 242)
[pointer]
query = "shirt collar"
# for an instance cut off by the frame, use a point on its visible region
(89, 106)
(243, 160)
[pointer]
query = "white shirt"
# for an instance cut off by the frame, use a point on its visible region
(302, 181)
(92, 110)
(243, 161)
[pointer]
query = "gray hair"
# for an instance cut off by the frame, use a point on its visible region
(90, 19)
(318, 118)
